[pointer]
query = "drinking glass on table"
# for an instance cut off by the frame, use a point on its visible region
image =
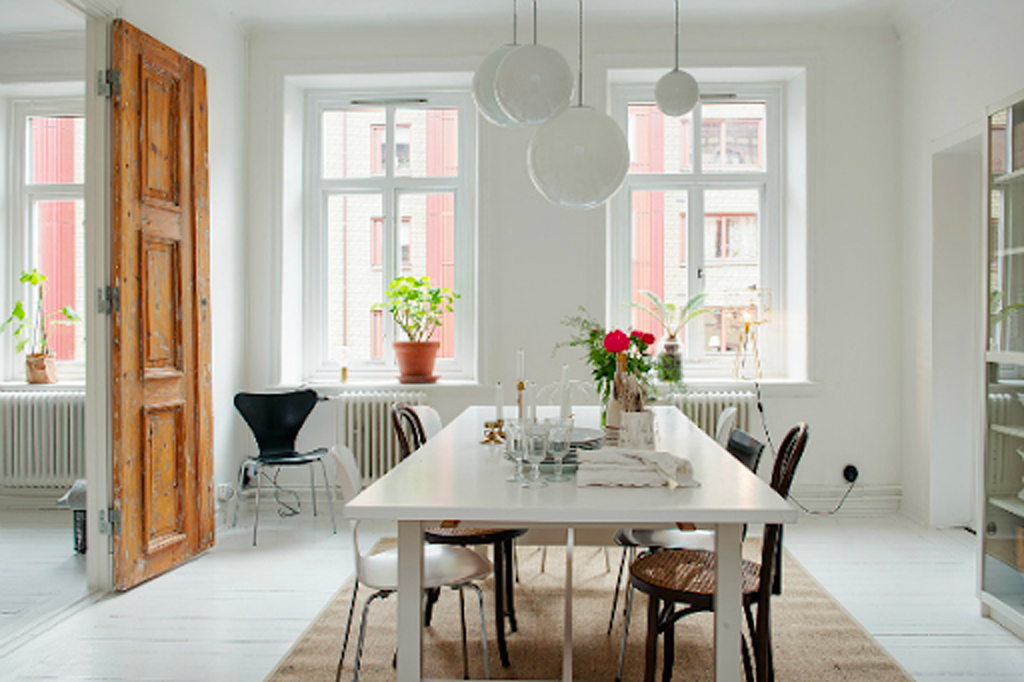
(559, 442)
(515, 447)
(536, 436)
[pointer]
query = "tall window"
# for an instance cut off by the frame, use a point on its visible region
(47, 215)
(698, 214)
(391, 197)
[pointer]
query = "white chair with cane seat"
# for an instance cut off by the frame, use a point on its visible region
(443, 566)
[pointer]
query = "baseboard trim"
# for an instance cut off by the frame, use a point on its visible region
(862, 500)
(30, 498)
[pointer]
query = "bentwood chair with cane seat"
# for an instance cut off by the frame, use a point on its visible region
(453, 567)
(275, 420)
(743, 447)
(687, 577)
(414, 425)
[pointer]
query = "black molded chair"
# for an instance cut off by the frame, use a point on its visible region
(687, 577)
(275, 420)
(412, 434)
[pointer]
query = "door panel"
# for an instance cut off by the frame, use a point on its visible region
(162, 459)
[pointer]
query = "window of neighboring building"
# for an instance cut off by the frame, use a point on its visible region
(47, 216)
(356, 242)
(721, 208)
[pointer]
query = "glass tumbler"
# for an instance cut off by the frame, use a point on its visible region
(559, 442)
(536, 436)
(515, 448)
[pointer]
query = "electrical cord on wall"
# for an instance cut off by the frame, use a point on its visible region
(771, 445)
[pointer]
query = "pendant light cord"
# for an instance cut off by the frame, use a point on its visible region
(515, 22)
(579, 90)
(534, 22)
(677, 35)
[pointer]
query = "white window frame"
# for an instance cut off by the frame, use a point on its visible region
(318, 365)
(20, 233)
(620, 252)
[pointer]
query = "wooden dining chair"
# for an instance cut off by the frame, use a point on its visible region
(409, 422)
(740, 445)
(687, 577)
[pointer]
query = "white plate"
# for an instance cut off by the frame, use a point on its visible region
(585, 435)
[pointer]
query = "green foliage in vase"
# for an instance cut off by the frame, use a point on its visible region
(32, 330)
(600, 348)
(671, 316)
(417, 307)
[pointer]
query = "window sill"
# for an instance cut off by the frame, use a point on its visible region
(70, 385)
(782, 388)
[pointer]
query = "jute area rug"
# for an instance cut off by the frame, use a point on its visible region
(816, 640)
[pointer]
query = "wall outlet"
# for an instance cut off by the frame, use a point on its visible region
(225, 491)
(850, 473)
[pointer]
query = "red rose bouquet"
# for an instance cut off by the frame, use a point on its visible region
(602, 348)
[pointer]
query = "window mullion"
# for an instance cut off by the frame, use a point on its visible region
(695, 269)
(390, 230)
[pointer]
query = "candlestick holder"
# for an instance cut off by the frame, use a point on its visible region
(494, 432)
(520, 402)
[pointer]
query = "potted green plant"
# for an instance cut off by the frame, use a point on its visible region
(32, 331)
(674, 319)
(418, 309)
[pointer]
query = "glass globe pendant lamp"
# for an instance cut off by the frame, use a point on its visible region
(579, 159)
(483, 80)
(533, 83)
(677, 92)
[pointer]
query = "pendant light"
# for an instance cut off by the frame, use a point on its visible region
(580, 159)
(533, 83)
(483, 80)
(677, 92)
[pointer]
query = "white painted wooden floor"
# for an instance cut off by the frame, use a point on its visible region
(232, 614)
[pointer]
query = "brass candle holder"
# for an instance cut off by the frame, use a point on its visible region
(494, 432)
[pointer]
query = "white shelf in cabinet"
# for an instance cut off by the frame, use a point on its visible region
(1007, 178)
(1010, 503)
(1015, 431)
(1005, 357)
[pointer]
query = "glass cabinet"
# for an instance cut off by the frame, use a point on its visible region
(1002, 559)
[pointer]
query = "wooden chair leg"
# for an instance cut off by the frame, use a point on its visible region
(670, 649)
(433, 594)
(651, 660)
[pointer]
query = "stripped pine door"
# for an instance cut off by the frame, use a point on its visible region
(161, 412)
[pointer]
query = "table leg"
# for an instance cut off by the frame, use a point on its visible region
(501, 577)
(410, 601)
(728, 602)
(570, 539)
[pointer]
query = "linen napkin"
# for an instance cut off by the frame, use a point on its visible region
(613, 466)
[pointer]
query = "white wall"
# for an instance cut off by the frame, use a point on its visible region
(215, 40)
(537, 262)
(965, 58)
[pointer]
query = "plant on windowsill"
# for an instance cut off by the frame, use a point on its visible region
(32, 331)
(418, 309)
(674, 319)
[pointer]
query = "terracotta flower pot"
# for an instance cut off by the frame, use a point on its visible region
(40, 369)
(416, 361)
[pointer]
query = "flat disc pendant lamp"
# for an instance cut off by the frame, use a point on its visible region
(483, 80)
(580, 159)
(677, 92)
(533, 83)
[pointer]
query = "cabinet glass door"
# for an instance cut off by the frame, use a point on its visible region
(1003, 538)
(1006, 229)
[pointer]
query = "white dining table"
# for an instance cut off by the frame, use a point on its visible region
(456, 477)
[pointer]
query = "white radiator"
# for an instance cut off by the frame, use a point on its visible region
(364, 425)
(42, 438)
(703, 408)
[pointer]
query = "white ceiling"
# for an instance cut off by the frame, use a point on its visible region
(902, 14)
(37, 16)
(29, 16)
